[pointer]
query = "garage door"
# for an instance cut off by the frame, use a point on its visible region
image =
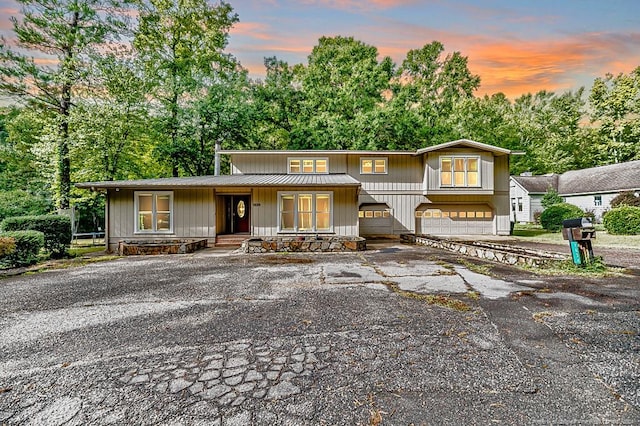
(454, 220)
(375, 219)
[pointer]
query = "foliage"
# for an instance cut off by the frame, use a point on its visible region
(551, 198)
(623, 220)
(7, 246)
(27, 247)
(627, 198)
(20, 202)
(552, 217)
(56, 230)
(65, 31)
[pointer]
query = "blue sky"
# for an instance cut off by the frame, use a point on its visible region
(515, 46)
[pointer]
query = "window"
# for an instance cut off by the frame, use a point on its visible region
(597, 200)
(459, 171)
(305, 212)
(520, 204)
(154, 211)
(373, 166)
(373, 213)
(308, 165)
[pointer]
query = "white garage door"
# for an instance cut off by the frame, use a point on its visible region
(375, 219)
(454, 219)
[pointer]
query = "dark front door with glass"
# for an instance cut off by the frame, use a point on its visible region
(238, 214)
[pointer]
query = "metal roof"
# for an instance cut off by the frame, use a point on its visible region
(467, 143)
(229, 180)
(298, 152)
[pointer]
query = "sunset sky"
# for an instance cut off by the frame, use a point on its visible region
(515, 46)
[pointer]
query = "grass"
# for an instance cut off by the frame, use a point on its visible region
(535, 233)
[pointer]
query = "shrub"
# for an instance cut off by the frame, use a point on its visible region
(27, 248)
(550, 198)
(7, 246)
(627, 198)
(624, 220)
(56, 230)
(551, 219)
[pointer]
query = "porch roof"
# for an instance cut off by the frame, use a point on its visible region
(237, 180)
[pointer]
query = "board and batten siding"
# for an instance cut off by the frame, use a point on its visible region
(278, 163)
(488, 162)
(265, 220)
(193, 216)
(404, 174)
(402, 207)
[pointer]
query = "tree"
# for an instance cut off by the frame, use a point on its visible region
(181, 45)
(551, 198)
(342, 83)
(66, 32)
(615, 107)
(426, 88)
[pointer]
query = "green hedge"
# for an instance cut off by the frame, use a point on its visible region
(624, 220)
(56, 230)
(551, 219)
(27, 247)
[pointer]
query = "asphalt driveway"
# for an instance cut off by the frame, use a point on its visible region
(396, 335)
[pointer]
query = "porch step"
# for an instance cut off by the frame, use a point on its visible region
(232, 240)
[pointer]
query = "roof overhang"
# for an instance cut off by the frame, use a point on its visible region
(466, 143)
(263, 180)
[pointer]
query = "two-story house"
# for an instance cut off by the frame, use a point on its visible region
(455, 188)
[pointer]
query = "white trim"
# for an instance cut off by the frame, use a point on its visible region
(153, 211)
(373, 165)
(314, 212)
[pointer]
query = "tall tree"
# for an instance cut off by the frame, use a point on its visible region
(181, 44)
(62, 32)
(615, 108)
(342, 83)
(427, 86)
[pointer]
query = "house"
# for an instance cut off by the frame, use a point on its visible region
(526, 192)
(456, 188)
(590, 189)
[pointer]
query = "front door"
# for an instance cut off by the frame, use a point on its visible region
(239, 213)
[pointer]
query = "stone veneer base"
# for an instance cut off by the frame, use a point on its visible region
(153, 247)
(334, 243)
(500, 253)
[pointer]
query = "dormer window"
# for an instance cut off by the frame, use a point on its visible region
(308, 166)
(460, 171)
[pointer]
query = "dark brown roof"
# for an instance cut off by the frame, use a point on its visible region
(538, 184)
(612, 178)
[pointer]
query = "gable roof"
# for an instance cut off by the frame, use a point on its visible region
(467, 143)
(611, 178)
(228, 180)
(537, 184)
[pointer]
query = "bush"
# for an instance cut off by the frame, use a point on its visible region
(56, 230)
(624, 220)
(7, 246)
(627, 198)
(27, 247)
(20, 203)
(551, 219)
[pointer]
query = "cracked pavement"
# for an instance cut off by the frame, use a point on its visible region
(221, 338)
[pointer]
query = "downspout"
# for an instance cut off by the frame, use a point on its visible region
(216, 170)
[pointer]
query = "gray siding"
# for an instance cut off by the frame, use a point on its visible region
(488, 162)
(193, 216)
(271, 163)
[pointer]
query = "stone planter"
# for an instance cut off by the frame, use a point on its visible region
(333, 243)
(152, 247)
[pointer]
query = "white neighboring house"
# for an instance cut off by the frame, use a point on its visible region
(590, 189)
(526, 192)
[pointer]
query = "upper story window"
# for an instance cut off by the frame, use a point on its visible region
(154, 211)
(373, 166)
(308, 165)
(460, 171)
